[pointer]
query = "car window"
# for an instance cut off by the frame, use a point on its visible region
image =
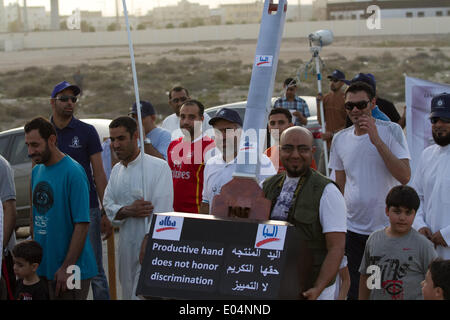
(3, 145)
(19, 151)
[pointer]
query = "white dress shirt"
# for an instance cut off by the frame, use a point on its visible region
(432, 183)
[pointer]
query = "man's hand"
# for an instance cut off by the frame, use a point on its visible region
(106, 227)
(141, 208)
(319, 97)
(61, 277)
(367, 124)
(327, 136)
(311, 294)
(438, 240)
(426, 232)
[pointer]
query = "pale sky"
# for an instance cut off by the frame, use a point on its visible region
(134, 6)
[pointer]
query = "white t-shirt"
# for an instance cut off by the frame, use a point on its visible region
(338, 277)
(368, 180)
(218, 173)
(172, 124)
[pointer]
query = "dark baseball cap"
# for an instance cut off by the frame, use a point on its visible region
(440, 106)
(65, 85)
(226, 114)
(146, 109)
(364, 77)
(337, 74)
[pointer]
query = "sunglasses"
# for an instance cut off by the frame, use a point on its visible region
(434, 120)
(182, 99)
(359, 105)
(66, 98)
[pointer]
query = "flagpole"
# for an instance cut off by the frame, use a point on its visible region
(138, 101)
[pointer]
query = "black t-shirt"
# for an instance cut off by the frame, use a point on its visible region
(37, 291)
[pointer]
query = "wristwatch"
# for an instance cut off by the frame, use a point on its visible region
(147, 141)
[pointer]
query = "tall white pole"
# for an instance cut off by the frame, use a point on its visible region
(319, 88)
(138, 101)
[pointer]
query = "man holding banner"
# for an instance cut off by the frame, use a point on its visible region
(432, 179)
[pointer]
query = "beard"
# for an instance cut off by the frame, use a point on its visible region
(441, 139)
(44, 156)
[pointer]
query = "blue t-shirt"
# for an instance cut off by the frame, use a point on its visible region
(60, 199)
(161, 139)
(80, 141)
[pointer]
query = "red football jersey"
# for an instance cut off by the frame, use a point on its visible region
(187, 161)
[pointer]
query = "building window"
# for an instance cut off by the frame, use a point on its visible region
(353, 16)
(448, 12)
(438, 13)
(409, 14)
(421, 14)
(341, 17)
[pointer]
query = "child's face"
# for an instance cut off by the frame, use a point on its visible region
(429, 292)
(23, 268)
(401, 219)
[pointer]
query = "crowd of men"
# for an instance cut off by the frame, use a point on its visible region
(364, 215)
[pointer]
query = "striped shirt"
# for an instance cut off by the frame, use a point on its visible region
(298, 104)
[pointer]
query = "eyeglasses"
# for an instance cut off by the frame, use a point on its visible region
(288, 148)
(359, 105)
(434, 120)
(66, 98)
(182, 99)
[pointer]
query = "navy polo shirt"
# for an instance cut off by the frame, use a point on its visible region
(80, 140)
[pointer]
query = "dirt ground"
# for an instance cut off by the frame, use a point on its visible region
(238, 50)
(215, 72)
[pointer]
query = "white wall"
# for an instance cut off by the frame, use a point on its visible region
(348, 28)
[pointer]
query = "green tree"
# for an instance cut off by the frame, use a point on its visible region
(169, 26)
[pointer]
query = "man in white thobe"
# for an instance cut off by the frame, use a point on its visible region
(125, 200)
(432, 180)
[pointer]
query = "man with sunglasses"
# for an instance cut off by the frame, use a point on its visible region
(369, 158)
(432, 180)
(81, 142)
(334, 111)
(177, 97)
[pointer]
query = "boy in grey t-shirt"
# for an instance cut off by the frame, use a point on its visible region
(396, 258)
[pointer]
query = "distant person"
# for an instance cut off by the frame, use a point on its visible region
(156, 139)
(219, 169)
(334, 112)
(290, 100)
(125, 200)
(400, 253)
(27, 257)
(368, 159)
(187, 156)
(60, 221)
(177, 97)
(8, 199)
(279, 120)
(384, 109)
(314, 205)
(81, 141)
(432, 179)
(436, 285)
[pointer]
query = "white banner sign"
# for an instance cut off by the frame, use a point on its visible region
(418, 94)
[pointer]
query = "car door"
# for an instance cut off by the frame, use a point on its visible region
(21, 165)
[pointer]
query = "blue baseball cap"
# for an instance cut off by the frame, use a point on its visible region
(440, 106)
(226, 114)
(146, 109)
(63, 86)
(337, 74)
(364, 77)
